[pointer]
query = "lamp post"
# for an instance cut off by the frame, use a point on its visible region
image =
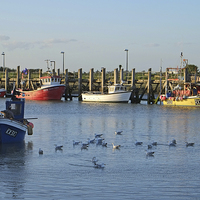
(63, 61)
(3, 54)
(126, 62)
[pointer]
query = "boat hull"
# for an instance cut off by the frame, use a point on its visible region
(190, 101)
(11, 131)
(2, 92)
(114, 97)
(43, 94)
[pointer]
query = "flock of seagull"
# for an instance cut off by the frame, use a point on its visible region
(101, 141)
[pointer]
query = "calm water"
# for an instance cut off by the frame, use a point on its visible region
(173, 173)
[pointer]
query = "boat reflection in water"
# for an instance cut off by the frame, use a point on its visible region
(13, 157)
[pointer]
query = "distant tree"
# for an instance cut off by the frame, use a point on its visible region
(191, 68)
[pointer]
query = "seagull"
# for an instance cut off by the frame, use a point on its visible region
(84, 147)
(76, 142)
(99, 141)
(116, 146)
(104, 144)
(149, 146)
(154, 143)
(91, 141)
(138, 143)
(174, 141)
(118, 132)
(40, 151)
(172, 144)
(98, 135)
(99, 166)
(150, 153)
(85, 144)
(58, 147)
(94, 160)
(191, 144)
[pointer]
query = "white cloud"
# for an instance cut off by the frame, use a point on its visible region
(16, 45)
(4, 37)
(29, 45)
(152, 45)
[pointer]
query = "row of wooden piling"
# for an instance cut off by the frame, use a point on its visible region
(136, 96)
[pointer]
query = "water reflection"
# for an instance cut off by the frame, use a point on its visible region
(12, 166)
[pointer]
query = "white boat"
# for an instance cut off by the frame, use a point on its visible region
(116, 93)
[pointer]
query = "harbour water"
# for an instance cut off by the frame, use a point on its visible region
(172, 173)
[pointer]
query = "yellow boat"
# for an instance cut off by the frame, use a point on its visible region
(187, 101)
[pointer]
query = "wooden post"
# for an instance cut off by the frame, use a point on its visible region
(40, 73)
(133, 78)
(195, 77)
(103, 77)
(121, 76)
(166, 81)
(58, 72)
(79, 84)
(115, 76)
(67, 89)
(18, 74)
(6, 80)
(91, 79)
(29, 77)
(149, 87)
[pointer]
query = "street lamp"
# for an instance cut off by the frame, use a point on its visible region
(3, 54)
(126, 62)
(63, 61)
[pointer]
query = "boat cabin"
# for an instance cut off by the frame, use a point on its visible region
(116, 88)
(50, 80)
(17, 107)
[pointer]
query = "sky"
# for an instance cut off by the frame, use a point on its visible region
(94, 34)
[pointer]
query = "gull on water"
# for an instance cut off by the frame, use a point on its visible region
(99, 166)
(91, 140)
(150, 153)
(58, 147)
(40, 151)
(118, 132)
(84, 147)
(76, 142)
(85, 144)
(191, 144)
(116, 146)
(154, 143)
(94, 160)
(104, 144)
(174, 141)
(98, 135)
(172, 144)
(149, 146)
(99, 141)
(138, 143)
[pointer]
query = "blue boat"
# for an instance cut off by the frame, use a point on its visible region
(13, 127)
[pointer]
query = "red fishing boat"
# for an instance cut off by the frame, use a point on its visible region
(50, 89)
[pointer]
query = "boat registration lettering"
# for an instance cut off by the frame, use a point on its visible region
(11, 132)
(197, 102)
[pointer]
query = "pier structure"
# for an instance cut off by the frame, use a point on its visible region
(78, 82)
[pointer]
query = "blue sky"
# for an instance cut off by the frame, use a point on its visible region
(94, 34)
